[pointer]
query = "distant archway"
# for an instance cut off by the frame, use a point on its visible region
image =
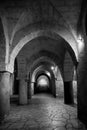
(43, 83)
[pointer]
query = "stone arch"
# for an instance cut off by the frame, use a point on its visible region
(57, 71)
(43, 76)
(38, 69)
(49, 55)
(46, 11)
(40, 56)
(35, 21)
(54, 62)
(46, 75)
(34, 35)
(41, 60)
(42, 69)
(49, 30)
(57, 84)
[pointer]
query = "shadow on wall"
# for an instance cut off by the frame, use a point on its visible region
(60, 88)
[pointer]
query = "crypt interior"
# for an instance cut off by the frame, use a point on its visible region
(43, 65)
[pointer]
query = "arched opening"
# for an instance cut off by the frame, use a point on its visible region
(43, 70)
(49, 53)
(42, 83)
(43, 33)
(42, 57)
(62, 44)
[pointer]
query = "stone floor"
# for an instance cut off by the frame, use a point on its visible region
(44, 112)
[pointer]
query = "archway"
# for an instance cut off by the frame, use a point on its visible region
(46, 71)
(43, 83)
(39, 33)
(44, 56)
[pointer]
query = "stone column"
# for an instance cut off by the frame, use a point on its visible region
(11, 84)
(4, 94)
(82, 87)
(23, 92)
(35, 88)
(30, 90)
(53, 88)
(68, 93)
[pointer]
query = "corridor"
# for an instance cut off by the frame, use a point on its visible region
(43, 112)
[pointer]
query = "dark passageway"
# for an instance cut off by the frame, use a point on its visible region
(43, 83)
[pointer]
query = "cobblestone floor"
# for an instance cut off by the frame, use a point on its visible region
(43, 113)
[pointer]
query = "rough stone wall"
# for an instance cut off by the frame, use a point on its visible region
(59, 84)
(60, 88)
(68, 68)
(2, 47)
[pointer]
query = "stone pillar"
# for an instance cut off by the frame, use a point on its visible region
(35, 88)
(23, 92)
(53, 88)
(4, 94)
(68, 93)
(54, 91)
(82, 87)
(11, 84)
(30, 90)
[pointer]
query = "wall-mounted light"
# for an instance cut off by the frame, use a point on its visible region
(80, 43)
(52, 67)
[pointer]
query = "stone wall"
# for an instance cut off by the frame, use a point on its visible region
(2, 47)
(68, 68)
(60, 89)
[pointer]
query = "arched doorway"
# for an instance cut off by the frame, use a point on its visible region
(42, 83)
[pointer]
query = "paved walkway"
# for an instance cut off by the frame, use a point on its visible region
(43, 113)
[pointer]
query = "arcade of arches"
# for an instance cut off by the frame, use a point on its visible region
(43, 49)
